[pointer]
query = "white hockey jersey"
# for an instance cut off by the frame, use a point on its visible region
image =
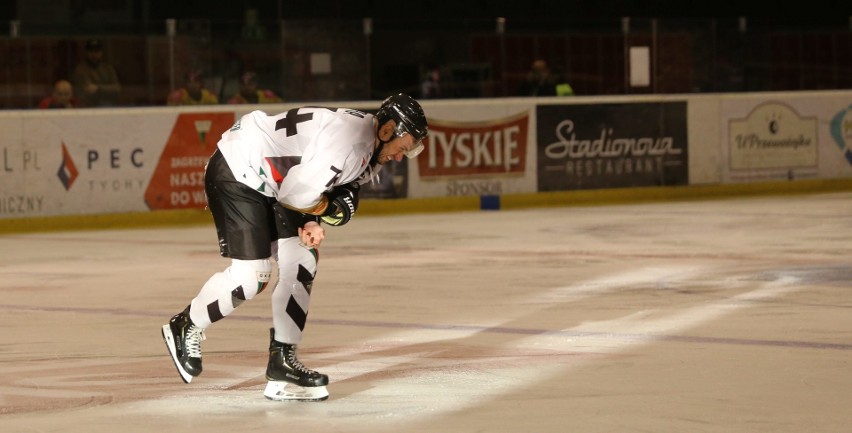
(297, 155)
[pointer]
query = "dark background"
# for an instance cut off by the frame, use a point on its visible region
(435, 12)
(709, 46)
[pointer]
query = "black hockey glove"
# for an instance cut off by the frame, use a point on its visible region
(342, 204)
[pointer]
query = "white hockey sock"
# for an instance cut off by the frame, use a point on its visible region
(291, 297)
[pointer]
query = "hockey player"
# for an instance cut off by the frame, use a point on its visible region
(270, 184)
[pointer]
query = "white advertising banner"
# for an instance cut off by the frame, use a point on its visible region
(100, 161)
(476, 148)
(783, 136)
(16, 162)
(93, 162)
(103, 161)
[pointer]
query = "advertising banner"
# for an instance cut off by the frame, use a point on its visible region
(79, 163)
(100, 161)
(479, 149)
(796, 137)
(612, 145)
(178, 180)
(91, 162)
(840, 128)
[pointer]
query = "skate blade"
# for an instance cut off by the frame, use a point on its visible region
(283, 391)
(170, 344)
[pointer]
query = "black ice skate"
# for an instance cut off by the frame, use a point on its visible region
(288, 378)
(183, 339)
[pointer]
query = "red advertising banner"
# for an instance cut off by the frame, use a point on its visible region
(472, 148)
(178, 180)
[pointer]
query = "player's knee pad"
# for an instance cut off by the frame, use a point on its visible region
(252, 276)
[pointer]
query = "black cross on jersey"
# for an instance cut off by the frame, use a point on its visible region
(291, 121)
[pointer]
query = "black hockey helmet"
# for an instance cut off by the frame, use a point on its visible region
(409, 118)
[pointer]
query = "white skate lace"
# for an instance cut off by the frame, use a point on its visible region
(194, 337)
(296, 364)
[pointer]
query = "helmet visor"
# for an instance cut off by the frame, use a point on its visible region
(416, 147)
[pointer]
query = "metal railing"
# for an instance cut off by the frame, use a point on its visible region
(312, 60)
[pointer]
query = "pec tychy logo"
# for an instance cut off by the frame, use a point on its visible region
(67, 170)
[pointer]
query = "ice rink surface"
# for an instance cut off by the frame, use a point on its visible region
(705, 316)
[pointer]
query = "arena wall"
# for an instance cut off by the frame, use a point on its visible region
(135, 164)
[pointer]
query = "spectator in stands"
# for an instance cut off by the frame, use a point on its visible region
(539, 81)
(430, 88)
(62, 97)
(250, 94)
(563, 88)
(193, 92)
(95, 79)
